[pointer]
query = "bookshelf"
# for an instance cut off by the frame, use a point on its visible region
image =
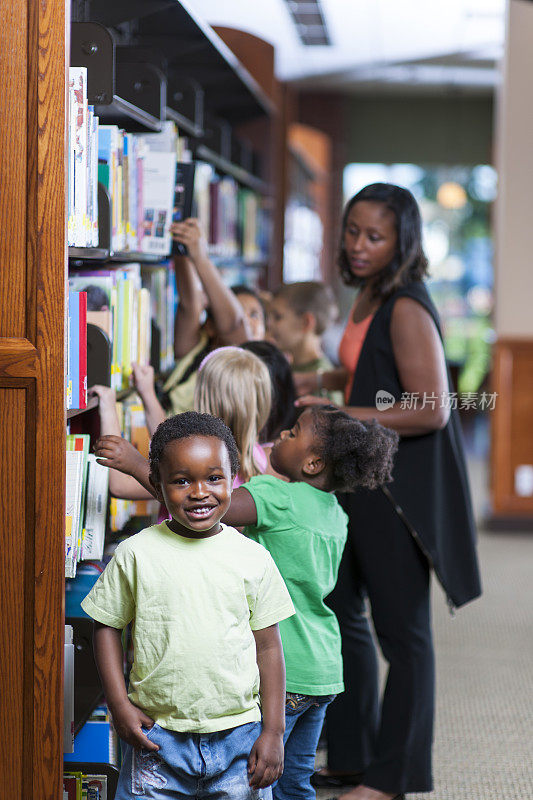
(35, 40)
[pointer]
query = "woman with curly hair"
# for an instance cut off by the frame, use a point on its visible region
(394, 370)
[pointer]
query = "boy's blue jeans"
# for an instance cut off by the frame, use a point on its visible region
(304, 717)
(198, 765)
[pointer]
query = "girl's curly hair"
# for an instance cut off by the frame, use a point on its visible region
(357, 454)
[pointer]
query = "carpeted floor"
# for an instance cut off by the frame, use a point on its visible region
(484, 723)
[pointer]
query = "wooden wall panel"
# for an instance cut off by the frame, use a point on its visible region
(13, 111)
(12, 600)
(512, 428)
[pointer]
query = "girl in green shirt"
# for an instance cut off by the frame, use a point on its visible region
(301, 523)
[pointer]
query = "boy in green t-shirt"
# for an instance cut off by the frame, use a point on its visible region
(205, 603)
(302, 525)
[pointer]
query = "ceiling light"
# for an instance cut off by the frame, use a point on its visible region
(308, 19)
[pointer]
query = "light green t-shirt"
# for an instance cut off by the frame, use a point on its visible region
(305, 531)
(194, 603)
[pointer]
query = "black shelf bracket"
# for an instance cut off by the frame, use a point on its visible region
(185, 104)
(92, 46)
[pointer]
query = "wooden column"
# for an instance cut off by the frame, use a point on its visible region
(32, 419)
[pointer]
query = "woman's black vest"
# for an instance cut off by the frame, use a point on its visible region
(430, 481)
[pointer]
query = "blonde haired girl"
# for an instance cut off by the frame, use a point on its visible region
(235, 385)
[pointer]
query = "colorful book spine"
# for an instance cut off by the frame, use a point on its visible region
(74, 347)
(79, 444)
(82, 351)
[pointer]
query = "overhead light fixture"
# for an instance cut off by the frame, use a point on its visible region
(308, 19)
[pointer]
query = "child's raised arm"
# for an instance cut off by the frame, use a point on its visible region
(121, 484)
(242, 510)
(227, 312)
(143, 381)
(265, 763)
(124, 460)
(127, 718)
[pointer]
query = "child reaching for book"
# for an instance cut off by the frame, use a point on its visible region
(206, 603)
(298, 315)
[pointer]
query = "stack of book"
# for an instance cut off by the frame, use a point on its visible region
(119, 305)
(82, 786)
(234, 219)
(86, 504)
(159, 281)
(82, 224)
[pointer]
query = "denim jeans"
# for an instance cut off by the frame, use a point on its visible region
(199, 765)
(303, 724)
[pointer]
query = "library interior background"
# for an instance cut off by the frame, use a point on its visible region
(262, 120)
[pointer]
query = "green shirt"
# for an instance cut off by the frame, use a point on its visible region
(305, 531)
(195, 604)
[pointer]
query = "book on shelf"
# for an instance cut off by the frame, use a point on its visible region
(183, 199)
(74, 475)
(92, 545)
(82, 220)
(81, 786)
(158, 198)
(95, 742)
(68, 691)
(77, 350)
(117, 302)
(160, 282)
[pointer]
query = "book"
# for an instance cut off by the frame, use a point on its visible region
(79, 444)
(82, 350)
(95, 742)
(158, 199)
(78, 157)
(183, 199)
(74, 474)
(92, 546)
(74, 348)
(99, 782)
(68, 692)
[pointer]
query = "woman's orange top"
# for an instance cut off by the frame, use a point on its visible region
(350, 348)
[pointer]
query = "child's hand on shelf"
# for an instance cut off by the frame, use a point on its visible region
(129, 722)
(106, 397)
(265, 762)
(143, 379)
(190, 234)
(116, 453)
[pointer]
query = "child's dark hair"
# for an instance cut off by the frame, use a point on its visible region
(282, 413)
(183, 426)
(357, 454)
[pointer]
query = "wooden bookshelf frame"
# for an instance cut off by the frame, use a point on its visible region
(32, 423)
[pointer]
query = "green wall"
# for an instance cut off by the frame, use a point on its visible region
(420, 130)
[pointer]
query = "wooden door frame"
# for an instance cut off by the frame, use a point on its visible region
(33, 264)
